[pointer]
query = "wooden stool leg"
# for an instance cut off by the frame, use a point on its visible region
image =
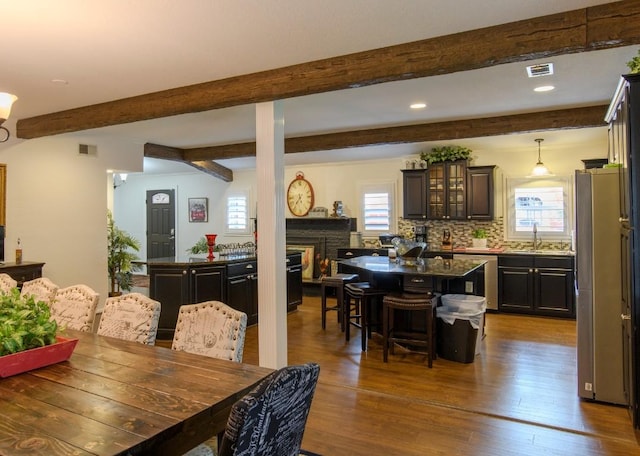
(340, 305)
(346, 316)
(430, 338)
(364, 303)
(385, 332)
(323, 300)
(391, 328)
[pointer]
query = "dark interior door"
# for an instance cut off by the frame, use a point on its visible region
(161, 219)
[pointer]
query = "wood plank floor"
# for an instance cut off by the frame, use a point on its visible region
(519, 396)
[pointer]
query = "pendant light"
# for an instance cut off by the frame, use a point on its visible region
(540, 170)
(6, 100)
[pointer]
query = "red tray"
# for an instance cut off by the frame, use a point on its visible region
(17, 363)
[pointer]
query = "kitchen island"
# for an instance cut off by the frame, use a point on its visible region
(232, 279)
(432, 274)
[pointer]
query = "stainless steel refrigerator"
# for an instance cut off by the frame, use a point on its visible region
(598, 286)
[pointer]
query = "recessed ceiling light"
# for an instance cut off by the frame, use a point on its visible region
(418, 105)
(59, 81)
(543, 88)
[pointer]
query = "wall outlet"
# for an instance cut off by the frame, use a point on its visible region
(588, 387)
(468, 287)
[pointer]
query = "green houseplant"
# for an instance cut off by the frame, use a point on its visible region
(445, 153)
(479, 238)
(24, 323)
(634, 64)
(121, 248)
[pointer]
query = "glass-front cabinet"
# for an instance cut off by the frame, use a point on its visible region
(446, 195)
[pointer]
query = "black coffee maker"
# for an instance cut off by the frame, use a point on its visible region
(420, 233)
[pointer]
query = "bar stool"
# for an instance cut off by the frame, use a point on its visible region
(363, 295)
(337, 282)
(412, 302)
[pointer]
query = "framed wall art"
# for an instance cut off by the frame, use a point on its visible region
(198, 209)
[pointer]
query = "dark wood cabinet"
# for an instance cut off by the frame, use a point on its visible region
(242, 289)
(294, 281)
(414, 198)
(536, 284)
(480, 192)
(22, 272)
(446, 194)
(176, 285)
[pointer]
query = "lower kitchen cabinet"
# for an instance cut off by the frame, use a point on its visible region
(234, 282)
(294, 281)
(175, 285)
(242, 289)
(536, 284)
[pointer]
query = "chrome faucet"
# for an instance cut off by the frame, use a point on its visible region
(535, 236)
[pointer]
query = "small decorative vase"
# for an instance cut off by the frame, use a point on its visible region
(211, 243)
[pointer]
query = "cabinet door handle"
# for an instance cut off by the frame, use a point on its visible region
(625, 317)
(193, 272)
(184, 272)
(417, 280)
(348, 254)
(623, 220)
(288, 261)
(249, 266)
(530, 270)
(375, 254)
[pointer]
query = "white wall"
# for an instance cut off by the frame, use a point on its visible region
(57, 202)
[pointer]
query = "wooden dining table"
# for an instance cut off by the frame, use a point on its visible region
(114, 397)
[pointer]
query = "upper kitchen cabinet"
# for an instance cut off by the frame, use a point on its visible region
(480, 192)
(446, 195)
(414, 183)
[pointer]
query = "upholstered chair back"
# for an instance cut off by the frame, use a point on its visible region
(42, 289)
(7, 283)
(131, 316)
(271, 419)
(212, 329)
(74, 307)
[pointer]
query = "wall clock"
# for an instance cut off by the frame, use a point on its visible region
(300, 195)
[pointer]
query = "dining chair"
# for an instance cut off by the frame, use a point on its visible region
(131, 316)
(270, 420)
(7, 283)
(211, 328)
(74, 307)
(41, 288)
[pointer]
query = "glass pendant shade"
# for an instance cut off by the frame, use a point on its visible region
(6, 101)
(540, 170)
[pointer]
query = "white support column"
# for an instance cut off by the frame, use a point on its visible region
(272, 285)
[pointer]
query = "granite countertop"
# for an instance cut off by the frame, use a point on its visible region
(503, 251)
(431, 266)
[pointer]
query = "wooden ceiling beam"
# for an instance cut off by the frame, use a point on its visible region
(588, 117)
(604, 26)
(176, 154)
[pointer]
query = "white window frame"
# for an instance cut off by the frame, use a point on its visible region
(388, 187)
(512, 183)
(233, 231)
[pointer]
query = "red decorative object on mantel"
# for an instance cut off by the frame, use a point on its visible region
(17, 363)
(211, 242)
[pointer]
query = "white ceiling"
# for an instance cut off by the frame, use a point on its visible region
(112, 49)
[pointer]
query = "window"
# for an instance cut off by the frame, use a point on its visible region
(377, 208)
(238, 213)
(545, 203)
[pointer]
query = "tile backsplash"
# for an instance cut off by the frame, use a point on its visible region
(461, 234)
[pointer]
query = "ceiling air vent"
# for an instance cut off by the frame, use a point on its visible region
(87, 150)
(542, 69)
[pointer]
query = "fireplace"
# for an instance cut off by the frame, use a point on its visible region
(324, 235)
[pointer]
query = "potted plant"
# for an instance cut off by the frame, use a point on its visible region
(199, 247)
(479, 238)
(446, 153)
(28, 335)
(121, 258)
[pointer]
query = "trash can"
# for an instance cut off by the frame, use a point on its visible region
(459, 327)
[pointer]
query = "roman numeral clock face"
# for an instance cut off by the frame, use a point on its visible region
(300, 196)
